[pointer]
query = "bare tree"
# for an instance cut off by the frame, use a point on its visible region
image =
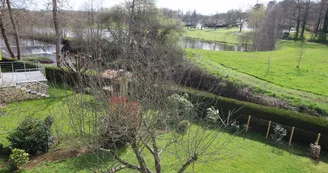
(299, 8)
(16, 34)
(142, 112)
(256, 18)
(301, 53)
(305, 17)
(267, 26)
(321, 12)
(3, 31)
(324, 31)
(56, 25)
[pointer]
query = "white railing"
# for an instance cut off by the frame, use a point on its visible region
(21, 66)
(12, 73)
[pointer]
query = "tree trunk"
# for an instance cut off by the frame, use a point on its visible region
(303, 29)
(317, 28)
(3, 33)
(298, 20)
(319, 18)
(15, 29)
(305, 18)
(324, 28)
(55, 18)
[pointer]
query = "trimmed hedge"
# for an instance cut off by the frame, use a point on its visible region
(204, 100)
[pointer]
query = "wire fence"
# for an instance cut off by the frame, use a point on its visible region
(294, 134)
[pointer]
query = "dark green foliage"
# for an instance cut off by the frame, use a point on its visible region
(1, 145)
(41, 59)
(32, 135)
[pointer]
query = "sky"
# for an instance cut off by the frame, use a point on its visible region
(201, 6)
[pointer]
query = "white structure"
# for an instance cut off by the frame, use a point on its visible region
(22, 81)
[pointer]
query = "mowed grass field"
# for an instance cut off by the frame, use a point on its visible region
(221, 35)
(245, 153)
(275, 71)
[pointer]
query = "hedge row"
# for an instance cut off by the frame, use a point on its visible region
(204, 100)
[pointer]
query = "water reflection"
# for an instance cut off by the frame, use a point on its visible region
(207, 45)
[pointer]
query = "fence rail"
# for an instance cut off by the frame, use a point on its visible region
(21, 66)
(294, 134)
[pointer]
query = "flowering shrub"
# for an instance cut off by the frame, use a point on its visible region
(18, 158)
(180, 106)
(122, 122)
(279, 134)
(123, 105)
(315, 150)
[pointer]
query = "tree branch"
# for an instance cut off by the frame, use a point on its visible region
(157, 159)
(191, 160)
(125, 163)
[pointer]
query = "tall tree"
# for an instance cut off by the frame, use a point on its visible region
(305, 17)
(16, 34)
(3, 31)
(298, 21)
(322, 6)
(56, 25)
(324, 31)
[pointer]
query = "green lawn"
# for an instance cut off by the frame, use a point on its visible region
(246, 153)
(307, 85)
(221, 35)
(15, 113)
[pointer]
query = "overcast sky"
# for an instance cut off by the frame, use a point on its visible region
(201, 6)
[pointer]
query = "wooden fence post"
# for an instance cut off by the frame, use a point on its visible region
(318, 138)
(291, 136)
(228, 120)
(267, 134)
(249, 119)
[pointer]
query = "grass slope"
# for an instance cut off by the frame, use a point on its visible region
(303, 86)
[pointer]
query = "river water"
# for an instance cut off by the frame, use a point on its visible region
(210, 45)
(34, 48)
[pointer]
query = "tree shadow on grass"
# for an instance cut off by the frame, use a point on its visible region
(97, 160)
(278, 148)
(294, 149)
(4, 156)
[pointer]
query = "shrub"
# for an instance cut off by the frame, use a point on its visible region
(18, 158)
(279, 134)
(179, 106)
(32, 135)
(212, 114)
(122, 122)
(1, 145)
(183, 127)
(315, 150)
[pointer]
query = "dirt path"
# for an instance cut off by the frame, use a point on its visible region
(55, 155)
